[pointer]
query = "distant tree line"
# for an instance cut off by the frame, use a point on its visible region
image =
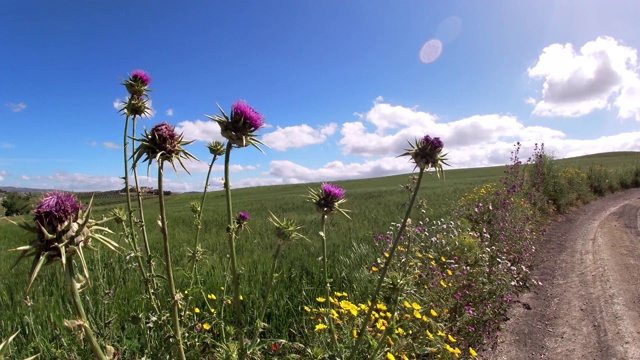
(16, 204)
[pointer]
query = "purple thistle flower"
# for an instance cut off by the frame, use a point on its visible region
(55, 209)
(243, 216)
(164, 132)
(241, 112)
(332, 191)
(141, 77)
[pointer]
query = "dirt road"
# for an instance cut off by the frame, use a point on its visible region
(588, 306)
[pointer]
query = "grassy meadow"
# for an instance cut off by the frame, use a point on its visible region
(116, 302)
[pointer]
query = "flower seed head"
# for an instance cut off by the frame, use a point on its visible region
(55, 210)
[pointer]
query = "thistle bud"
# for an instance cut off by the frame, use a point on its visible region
(216, 148)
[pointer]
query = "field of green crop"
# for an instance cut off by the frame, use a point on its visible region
(115, 301)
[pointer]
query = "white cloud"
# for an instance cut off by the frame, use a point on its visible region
(82, 182)
(297, 136)
(16, 107)
(111, 145)
(603, 73)
(200, 130)
(291, 172)
(2, 174)
(408, 123)
(170, 112)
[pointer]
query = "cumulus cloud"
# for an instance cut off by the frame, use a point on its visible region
(337, 170)
(200, 130)
(2, 174)
(297, 136)
(111, 145)
(603, 73)
(170, 112)
(387, 128)
(16, 107)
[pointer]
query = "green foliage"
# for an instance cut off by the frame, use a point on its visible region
(16, 204)
(118, 308)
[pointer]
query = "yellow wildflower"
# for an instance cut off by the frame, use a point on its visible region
(434, 313)
(417, 314)
(443, 283)
(443, 259)
(320, 327)
(451, 338)
(211, 297)
(390, 356)
(429, 335)
(196, 310)
(206, 326)
(449, 272)
(307, 309)
(354, 333)
(473, 352)
(416, 306)
(374, 269)
(321, 299)
(407, 304)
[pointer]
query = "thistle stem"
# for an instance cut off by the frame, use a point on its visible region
(142, 225)
(194, 274)
(167, 257)
(271, 279)
(383, 271)
(70, 277)
(132, 234)
(235, 276)
(334, 338)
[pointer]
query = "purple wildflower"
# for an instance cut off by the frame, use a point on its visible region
(164, 132)
(241, 112)
(243, 216)
(141, 77)
(164, 138)
(55, 210)
(427, 152)
(333, 191)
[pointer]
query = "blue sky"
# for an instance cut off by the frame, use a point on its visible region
(343, 84)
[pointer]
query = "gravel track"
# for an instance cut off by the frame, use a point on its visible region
(588, 305)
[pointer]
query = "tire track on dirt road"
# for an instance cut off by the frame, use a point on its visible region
(588, 306)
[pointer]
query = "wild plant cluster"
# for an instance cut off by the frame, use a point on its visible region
(437, 288)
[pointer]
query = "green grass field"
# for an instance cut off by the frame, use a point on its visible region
(374, 204)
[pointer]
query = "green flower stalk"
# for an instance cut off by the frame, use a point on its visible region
(62, 230)
(426, 153)
(238, 129)
(135, 106)
(216, 149)
(162, 145)
(285, 231)
(328, 200)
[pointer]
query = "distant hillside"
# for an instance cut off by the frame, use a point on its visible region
(23, 190)
(610, 159)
